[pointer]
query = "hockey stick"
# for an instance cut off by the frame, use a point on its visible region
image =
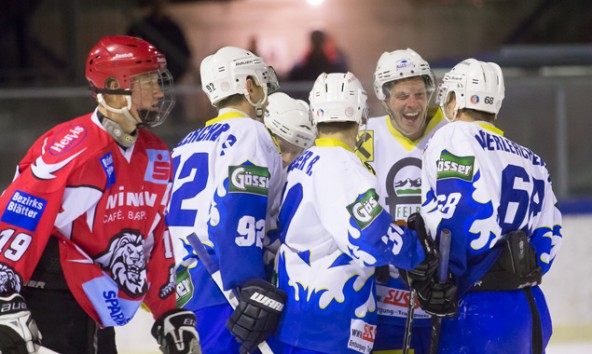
(415, 222)
(445, 238)
(214, 271)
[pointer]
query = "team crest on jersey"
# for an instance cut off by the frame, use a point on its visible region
(365, 145)
(10, 281)
(452, 166)
(248, 179)
(159, 166)
(24, 210)
(125, 260)
(66, 139)
(365, 209)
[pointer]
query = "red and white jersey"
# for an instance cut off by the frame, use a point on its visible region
(105, 204)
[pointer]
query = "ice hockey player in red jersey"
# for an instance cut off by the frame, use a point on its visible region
(83, 240)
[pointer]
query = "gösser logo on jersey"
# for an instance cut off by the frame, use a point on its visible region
(452, 166)
(365, 209)
(248, 179)
(24, 210)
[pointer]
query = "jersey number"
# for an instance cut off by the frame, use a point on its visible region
(193, 176)
(17, 247)
(251, 232)
(522, 198)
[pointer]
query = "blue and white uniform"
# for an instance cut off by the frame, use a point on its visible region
(226, 188)
(481, 186)
(397, 162)
(334, 232)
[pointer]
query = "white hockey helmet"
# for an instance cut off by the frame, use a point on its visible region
(225, 73)
(338, 97)
(401, 64)
(476, 84)
(289, 119)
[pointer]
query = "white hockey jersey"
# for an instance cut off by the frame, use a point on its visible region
(397, 162)
(226, 189)
(334, 232)
(481, 186)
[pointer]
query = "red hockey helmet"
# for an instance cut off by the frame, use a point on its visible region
(126, 59)
(121, 57)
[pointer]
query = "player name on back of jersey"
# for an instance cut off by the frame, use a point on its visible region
(304, 162)
(494, 142)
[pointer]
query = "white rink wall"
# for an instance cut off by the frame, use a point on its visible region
(567, 288)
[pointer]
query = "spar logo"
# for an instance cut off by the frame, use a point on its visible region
(248, 179)
(365, 209)
(452, 166)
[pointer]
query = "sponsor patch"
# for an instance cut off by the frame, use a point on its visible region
(107, 163)
(24, 210)
(248, 179)
(365, 145)
(365, 209)
(361, 337)
(67, 139)
(452, 166)
(184, 288)
(159, 166)
(394, 302)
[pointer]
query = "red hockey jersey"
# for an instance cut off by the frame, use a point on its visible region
(106, 206)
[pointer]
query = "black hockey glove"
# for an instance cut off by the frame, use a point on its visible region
(257, 314)
(175, 332)
(439, 299)
(435, 298)
(18, 330)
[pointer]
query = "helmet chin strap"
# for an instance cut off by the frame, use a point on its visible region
(259, 105)
(454, 114)
(113, 128)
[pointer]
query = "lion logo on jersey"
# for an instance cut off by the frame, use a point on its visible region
(125, 261)
(10, 281)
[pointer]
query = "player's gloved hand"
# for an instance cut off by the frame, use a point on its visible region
(423, 273)
(257, 314)
(439, 299)
(18, 330)
(175, 332)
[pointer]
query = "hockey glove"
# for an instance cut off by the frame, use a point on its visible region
(257, 314)
(439, 299)
(435, 298)
(18, 330)
(175, 332)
